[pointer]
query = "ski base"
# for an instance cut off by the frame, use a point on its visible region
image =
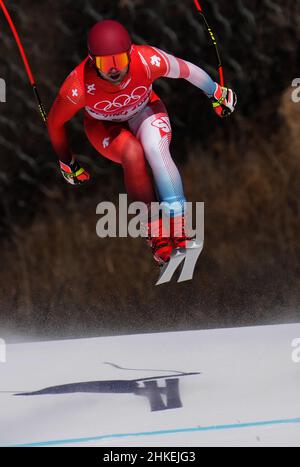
(183, 259)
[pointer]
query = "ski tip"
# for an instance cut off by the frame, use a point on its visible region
(195, 244)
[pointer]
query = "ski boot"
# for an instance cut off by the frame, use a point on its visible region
(160, 242)
(178, 232)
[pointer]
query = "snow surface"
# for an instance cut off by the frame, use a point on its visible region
(244, 390)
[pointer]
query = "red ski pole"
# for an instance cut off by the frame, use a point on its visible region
(25, 61)
(213, 38)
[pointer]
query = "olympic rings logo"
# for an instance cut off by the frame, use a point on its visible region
(123, 100)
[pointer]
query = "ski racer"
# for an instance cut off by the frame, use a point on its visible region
(126, 121)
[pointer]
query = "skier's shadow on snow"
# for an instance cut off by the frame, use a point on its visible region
(160, 397)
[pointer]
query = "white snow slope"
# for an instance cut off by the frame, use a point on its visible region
(243, 390)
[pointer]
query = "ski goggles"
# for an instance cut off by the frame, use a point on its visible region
(112, 62)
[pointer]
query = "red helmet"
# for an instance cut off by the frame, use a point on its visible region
(108, 37)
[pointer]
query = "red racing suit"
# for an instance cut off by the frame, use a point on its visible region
(127, 122)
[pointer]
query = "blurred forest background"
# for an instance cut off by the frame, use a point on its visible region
(57, 278)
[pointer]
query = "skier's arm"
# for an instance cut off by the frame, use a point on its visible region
(165, 65)
(177, 68)
(68, 102)
(223, 99)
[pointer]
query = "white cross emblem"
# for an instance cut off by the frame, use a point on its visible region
(74, 92)
(91, 89)
(106, 142)
(155, 60)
